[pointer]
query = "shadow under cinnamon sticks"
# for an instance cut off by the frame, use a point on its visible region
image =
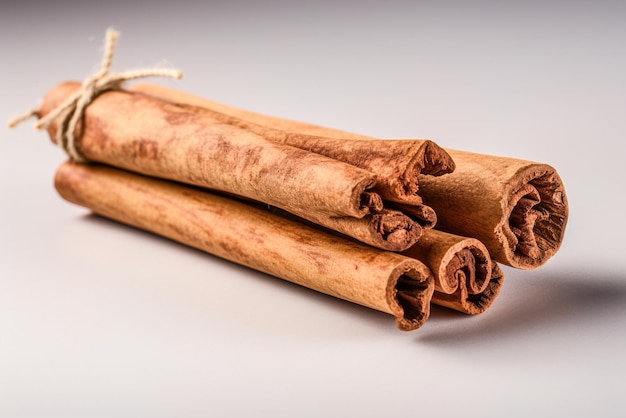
(571, 299)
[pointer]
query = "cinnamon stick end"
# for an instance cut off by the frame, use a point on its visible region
(473, 304)
(53, 98)
(538, 217)
(394, 231)
(436, 160)
(409, 295)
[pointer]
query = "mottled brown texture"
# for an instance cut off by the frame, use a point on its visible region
(517, 208)
(184, 143)
(462, 270)
(398, 164)
(256, 238)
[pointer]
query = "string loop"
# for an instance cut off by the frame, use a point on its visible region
(73, 108)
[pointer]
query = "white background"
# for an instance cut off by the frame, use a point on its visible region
(101, 320)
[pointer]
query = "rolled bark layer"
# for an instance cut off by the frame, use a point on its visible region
(398, 164)
(462, 269)
(517, 208)
(464, 301)
(256, 238)
(183, 143)
(453, 260)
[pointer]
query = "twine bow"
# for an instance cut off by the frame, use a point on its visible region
(72, 109)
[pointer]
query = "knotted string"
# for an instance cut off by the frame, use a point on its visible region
(73, 108)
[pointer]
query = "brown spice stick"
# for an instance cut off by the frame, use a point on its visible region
(398, 164)
(462, 269)
(157, 138)
(256, 238)
(517, 208)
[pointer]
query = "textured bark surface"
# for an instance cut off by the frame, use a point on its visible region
(398, 164)
(517, 208)
(184, 143)
(256, 238)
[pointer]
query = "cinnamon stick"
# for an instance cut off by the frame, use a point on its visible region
(398, 164)
(517, 208)
(183, 143)
(465, 277)
(256, 238)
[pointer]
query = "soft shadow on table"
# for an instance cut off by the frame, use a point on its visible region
(531, 301)
(536, 302)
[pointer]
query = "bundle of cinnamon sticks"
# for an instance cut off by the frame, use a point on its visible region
(394, 225)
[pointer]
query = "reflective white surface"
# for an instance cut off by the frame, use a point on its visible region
(98, 319)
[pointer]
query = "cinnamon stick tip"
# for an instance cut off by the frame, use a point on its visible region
(409, 293)
(394, 231)
(538, 217)
(465, 264)
(436, 160)
(473, 304)
(480, 302)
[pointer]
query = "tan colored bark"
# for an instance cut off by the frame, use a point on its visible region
(184, 143)
(517, 208)
(462, 269)
(398, 164)
(256, 238)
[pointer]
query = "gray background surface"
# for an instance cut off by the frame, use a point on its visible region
(101, 320)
